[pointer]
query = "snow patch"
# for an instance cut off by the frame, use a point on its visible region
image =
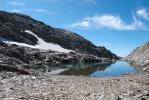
(41, 44)
(57, 71)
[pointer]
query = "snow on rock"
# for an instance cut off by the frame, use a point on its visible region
(41, 44)
(56, 72)
(47, 46)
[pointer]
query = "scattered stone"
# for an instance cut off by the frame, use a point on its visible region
(75, 87)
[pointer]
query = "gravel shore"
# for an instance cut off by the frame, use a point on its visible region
(57, 87)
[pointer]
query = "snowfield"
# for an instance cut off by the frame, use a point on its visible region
(41, 44)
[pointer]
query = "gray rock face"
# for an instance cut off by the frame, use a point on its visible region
(140, 57)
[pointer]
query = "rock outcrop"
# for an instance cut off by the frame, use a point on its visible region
(139, 57)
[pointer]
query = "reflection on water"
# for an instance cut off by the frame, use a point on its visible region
(100, 70)
(90, 69)
(85, 69)
(117, 69)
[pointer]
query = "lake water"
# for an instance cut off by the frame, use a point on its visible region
(91, 69)
(97, 70)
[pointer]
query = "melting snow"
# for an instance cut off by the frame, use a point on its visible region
(41, 44)
(58, 71)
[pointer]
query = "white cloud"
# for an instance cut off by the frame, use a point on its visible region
(104, 44)
(85, 24)
(143, 13)
(108, 21)
(80, 1)
(42, 10)
(36, 10)
(16, 11)
(90, 1)
(16, 3)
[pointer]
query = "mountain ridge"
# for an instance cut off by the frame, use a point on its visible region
(27, 44)
(14, 26)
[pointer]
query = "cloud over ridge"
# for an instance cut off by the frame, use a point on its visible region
(109, 21)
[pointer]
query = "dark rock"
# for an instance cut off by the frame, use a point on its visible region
(12, 69)
(143, 99)
(118, 98)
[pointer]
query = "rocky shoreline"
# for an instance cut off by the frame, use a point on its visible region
(35, 85)
(25, 60)
(44, 86)
(58, 87)
(139, 57)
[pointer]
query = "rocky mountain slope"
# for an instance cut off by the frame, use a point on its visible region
(26, 43)
(13, 26)
(140, 57)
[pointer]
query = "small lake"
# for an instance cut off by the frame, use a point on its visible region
(95, 70)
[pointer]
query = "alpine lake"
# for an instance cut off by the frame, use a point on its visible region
(118, 68)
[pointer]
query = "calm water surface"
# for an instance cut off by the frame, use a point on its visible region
(94, 70)
(100, 70)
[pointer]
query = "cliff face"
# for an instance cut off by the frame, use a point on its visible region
(140, 57)
(26, 43)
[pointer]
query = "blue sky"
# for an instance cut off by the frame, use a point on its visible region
(119, 25)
